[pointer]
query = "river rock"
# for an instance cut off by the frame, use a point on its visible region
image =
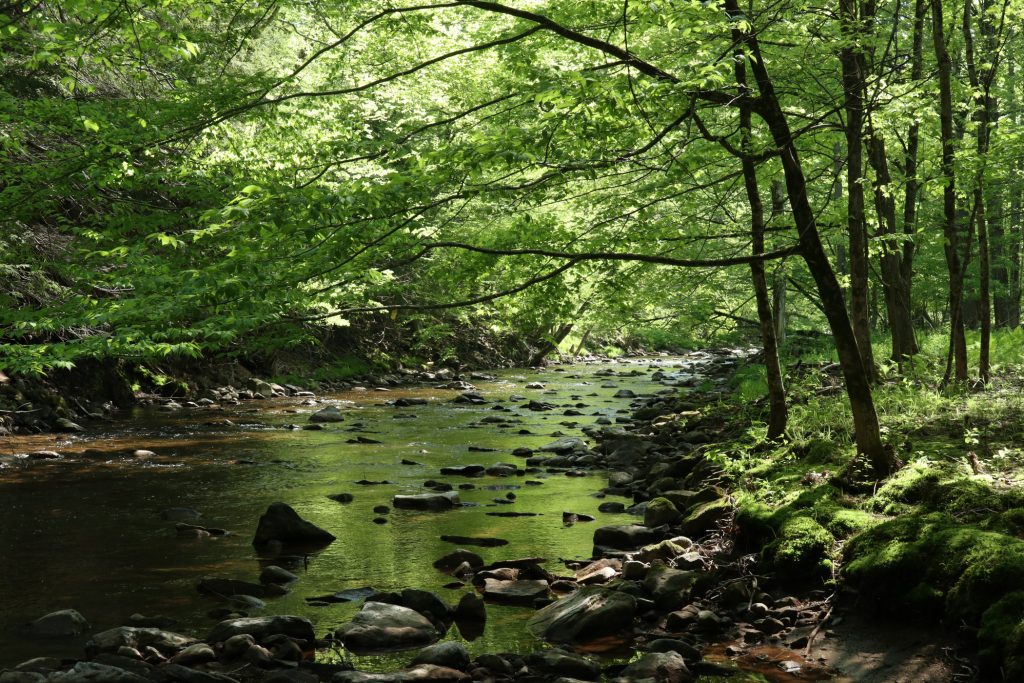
(426, 501)
(94, 672)
(328, 414)
(450, 654)
(657, 667)
(661, 511)
(452, 560)
(180, 514)
(381, 626)
(44, 455)
(555, 662)
(705, 517)
(587, 615)
(464, 470)
(569, 444)
(138, 638)
(260, 628)
(612, 507)
(516, 592)
(197, 653)
(237, 645)
(625, 537)
(624, 393)
(274, 574)
(281, 523)
(63, 623)
(670, 588)
(421, 672)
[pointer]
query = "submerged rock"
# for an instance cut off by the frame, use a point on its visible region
(63, 623)
(281, 523)
(426, 501)
(450, 654)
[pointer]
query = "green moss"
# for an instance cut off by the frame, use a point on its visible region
(995, 566)
(802, 550)
(971, 566)
(661, 511)
(1001, 635)
(703, 518)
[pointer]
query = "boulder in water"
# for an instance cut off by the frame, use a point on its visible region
(281, 523)
(380, 627)
(328, 414)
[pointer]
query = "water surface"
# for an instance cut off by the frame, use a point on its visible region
(85, 531)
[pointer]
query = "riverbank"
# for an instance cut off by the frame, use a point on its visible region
(695, 589)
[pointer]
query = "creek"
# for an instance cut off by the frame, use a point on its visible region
(85, 531)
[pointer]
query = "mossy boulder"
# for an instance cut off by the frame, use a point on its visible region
(803, 549)
(661, 511)
(972, 567)
(705, 517)
(1001, 637)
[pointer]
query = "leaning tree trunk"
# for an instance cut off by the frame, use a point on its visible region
(858, 386)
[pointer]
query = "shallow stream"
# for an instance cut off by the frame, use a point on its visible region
(85, 531)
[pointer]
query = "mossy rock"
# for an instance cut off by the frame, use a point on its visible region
(705, 517)
(802, 550)
(1001, 637)
(972, 566)
(755, 525)
(994, 568)
(661, 511)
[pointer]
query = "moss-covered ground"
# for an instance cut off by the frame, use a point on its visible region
(943, 538)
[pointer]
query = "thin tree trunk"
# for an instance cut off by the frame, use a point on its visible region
(778, 413)
(858, 386)
(957, 338)
(985, 115)
(852, 62)
(897, 304)
(779, 277)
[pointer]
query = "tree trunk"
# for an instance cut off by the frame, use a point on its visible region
(984, 115)
(894, 290)
(778, 413)
(550, 344)
(957, 338)
(858, 386)
(852, 62)
(779, 277)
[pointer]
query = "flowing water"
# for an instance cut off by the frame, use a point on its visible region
(85, 531)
